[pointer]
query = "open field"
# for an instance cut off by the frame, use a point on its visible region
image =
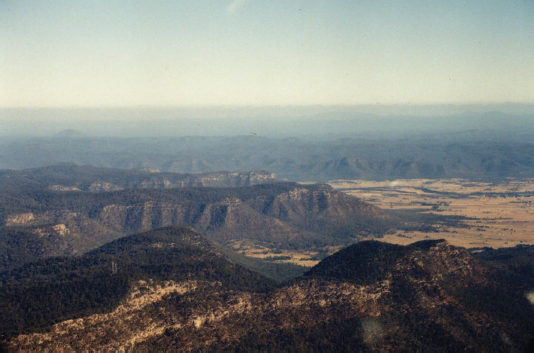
(302, 258)
(500, 215)
(497, 215)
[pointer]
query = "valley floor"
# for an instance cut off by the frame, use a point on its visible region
(500, 215)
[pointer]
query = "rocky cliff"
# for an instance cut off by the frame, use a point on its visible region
(70, 177)
(280, 215)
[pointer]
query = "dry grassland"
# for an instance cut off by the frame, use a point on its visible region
(302, 258)
(501, 215)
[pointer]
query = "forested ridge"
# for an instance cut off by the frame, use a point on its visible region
(69, 177)
(45, 292)
(276, 215)
(371, 295)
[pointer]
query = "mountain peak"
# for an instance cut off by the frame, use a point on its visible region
(364, 263)
(70, 133)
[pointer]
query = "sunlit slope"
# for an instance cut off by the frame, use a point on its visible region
(370, 296)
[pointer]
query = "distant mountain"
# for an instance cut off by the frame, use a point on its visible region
(280, 121)
(170, 291)
(71, 177)
(70, 133)
(278, 216)
(469, 153)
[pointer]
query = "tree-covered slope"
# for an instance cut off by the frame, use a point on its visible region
(280, 215)
(45, 292)
(428, 296)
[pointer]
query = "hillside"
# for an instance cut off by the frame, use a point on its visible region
(41, 293)
(518, 260)
(428, 296)
(278, 216)
(71, 177)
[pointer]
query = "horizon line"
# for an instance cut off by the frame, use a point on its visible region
(211, 106)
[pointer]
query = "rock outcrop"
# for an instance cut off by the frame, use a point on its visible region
(280, 215)
(70, 177)
(428, 296)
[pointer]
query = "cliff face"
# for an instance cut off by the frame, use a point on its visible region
(34, 219)
(215, 179)
(70, 177)
(427, 296)
(279, 215)
(227, 220)
(300, 204)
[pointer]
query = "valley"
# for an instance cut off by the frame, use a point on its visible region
(273, 217)
(266, 176)
(493, 214)
(497, 214)
(98, 258)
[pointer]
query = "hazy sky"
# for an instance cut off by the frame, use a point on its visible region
(271, 52)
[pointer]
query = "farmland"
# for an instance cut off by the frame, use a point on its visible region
(497, 214)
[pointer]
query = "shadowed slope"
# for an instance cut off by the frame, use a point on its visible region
(42, 293)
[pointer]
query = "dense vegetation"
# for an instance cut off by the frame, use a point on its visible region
(449, 301)
(519, 260)
(465, 287)
(42, 293)
(363, 263)
(371, 295)
(91, 203)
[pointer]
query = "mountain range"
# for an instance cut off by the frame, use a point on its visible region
(41, 215)
(109, 259)
(71, 177)
(470, 154)
(171, 289)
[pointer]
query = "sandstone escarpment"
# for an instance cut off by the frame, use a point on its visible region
(300, 203)
(279, 216)
(70, 177)
(291, 213)
(33, 219)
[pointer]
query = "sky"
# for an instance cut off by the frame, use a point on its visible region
(137, 53)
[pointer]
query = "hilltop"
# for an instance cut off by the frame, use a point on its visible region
(182, 295)
(44, 292)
